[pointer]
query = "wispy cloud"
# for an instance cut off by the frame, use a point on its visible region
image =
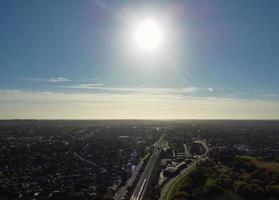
(58, 79)
(149, 90)
(33, 79)
(94, 79)
(89, 85)
(271, 95)
(50, 80)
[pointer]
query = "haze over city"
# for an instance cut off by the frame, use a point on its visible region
(94, 59)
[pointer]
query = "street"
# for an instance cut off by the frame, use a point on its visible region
(141, 186)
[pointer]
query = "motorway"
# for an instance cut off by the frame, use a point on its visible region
(140, 189)
(123, 190)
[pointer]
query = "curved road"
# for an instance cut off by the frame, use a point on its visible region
(167, 187)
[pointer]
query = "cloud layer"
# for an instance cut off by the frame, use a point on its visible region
(164, 104)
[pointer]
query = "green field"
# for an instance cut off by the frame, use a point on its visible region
(177, 185)
(210, 182)
(258, 163)
(227, 195)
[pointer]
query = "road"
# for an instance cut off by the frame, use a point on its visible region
(204, 145)
(123, 191)
(140, 189)
(85, 160)
(188, 155)
(167, 187)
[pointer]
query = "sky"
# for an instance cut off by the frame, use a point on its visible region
(77, 59)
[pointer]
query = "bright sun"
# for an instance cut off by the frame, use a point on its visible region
(148, 35)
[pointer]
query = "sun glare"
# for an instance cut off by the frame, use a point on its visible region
(148, 35)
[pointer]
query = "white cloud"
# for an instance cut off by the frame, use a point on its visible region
(90, 85)
(93, 79)
(50, 80)
(150, 90)
(58, 79)
(211, 89)
(104, 105)
(271, 95)
(34, 79)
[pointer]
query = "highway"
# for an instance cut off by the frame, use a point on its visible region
(140, 189)
(123, 190)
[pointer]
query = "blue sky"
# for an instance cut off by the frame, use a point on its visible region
(67, 51)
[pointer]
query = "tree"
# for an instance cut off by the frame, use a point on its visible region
(181, 196)
(77, 196)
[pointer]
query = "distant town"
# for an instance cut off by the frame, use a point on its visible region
(139, 160)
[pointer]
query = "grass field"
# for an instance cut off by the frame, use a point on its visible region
(210, 182)
(273, 187)
(257, 162)
(177, 185)
(227, 195)
(271, 166)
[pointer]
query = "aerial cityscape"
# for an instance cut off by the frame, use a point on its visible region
(139, 100)
(166, 160)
